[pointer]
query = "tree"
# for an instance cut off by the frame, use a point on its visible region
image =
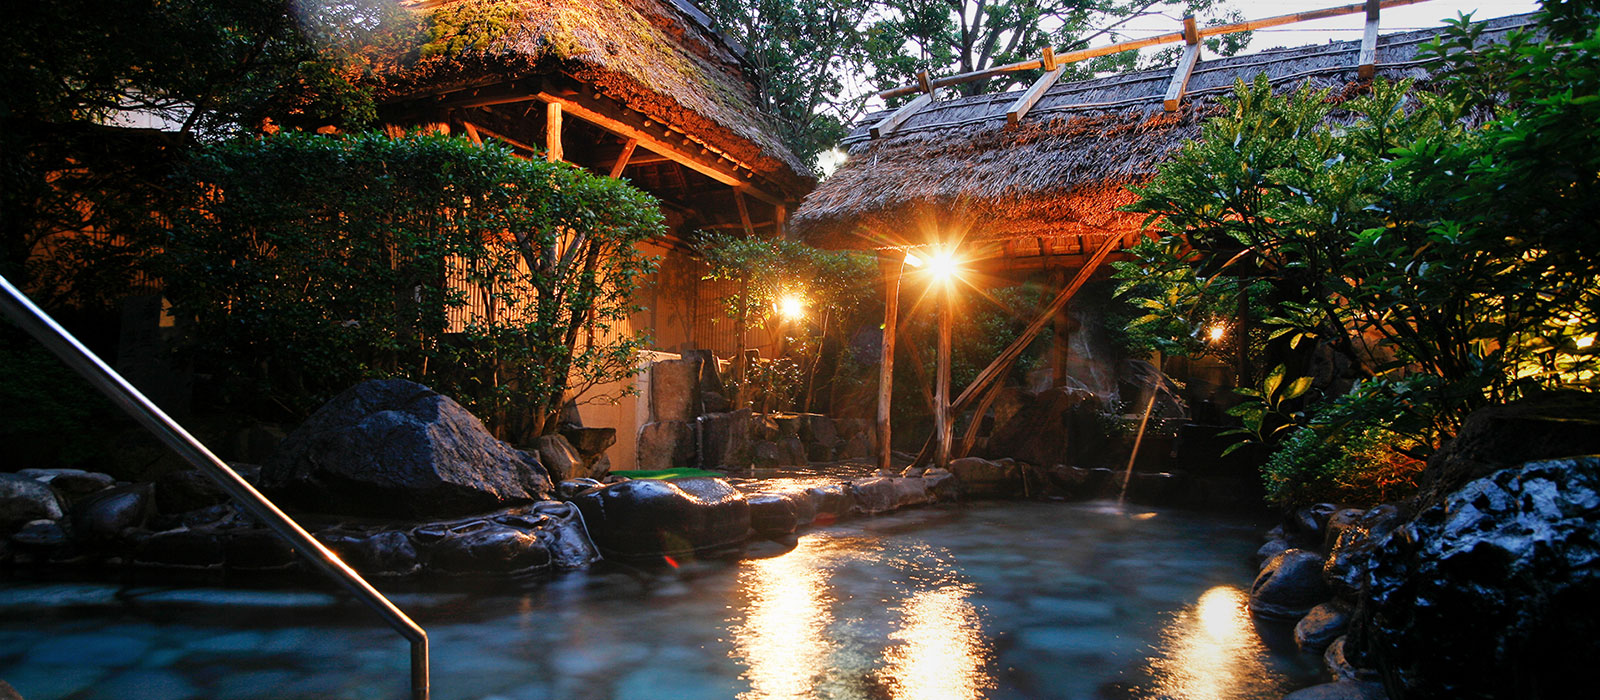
(1451, 267)
(302, 264)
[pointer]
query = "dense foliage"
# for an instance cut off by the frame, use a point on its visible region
(1433, 247)
(829, 288)
(301, 264)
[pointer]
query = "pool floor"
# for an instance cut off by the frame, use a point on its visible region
(1004, 600)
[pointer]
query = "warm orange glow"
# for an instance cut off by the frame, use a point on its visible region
(912, 260)
(943, 650)
(791, 307)
(944, 267)
(782, 636)
(1213, 653)
(1216, 332)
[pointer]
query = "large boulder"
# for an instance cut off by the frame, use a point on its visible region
(1289, 586)
(1491, 593)
(71, 484)
(561, 460)
(397, 448)
(649, 518)
(1058, 426)
(665, 445)
(111, 514)
(24, 500)
(982, 478)
(726, 438)
(675, 390)
(1558, 424)
(1350, 556)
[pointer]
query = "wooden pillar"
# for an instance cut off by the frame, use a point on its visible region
(892, 264)
(941, 386)
(552, 132)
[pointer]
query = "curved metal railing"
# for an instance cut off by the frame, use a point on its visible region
(37, 323)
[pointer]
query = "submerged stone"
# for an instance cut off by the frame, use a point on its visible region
(1289, 586)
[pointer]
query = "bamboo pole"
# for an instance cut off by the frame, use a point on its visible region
(941, 387)
(1119, 47)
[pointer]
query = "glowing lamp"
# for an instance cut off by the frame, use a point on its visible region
(943, 266)
(791, 307)
(1216, 332)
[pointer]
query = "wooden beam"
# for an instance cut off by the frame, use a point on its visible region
(622, 160)
(486, 131)
(890, 123)
(892, 263)
(780, 218)
(1367, 60)
(1019, 109)
(552, 132)
(472, 133)
(1119, 47)
(1180, 75)
(744, 213)
(630, 124)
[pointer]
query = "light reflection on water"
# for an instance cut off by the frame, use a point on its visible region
(781, 638)
(943, 649)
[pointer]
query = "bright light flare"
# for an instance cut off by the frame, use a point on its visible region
(1216, 332)
(912, 260)
(791, 307)
(944, 267)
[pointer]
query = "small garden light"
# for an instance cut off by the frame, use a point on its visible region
(791, 307)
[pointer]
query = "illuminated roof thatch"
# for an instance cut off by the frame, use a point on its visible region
(653, 56)
(1049, 186)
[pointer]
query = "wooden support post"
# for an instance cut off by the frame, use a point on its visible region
(552, 132)
(1180, 75)
(780, 218)
(941, 387)
(622, 160)
(472, 133)
(744, 213)
(892, 265)
(887, 126)
(1367, 61)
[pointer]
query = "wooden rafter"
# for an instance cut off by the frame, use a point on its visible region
(1053, 72)
(1180, 75)
(622, 160)
(1367, 60)
(481, 130)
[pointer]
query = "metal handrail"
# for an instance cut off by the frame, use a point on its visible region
(37, 323)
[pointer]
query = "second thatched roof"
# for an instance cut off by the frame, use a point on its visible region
(1063, 171)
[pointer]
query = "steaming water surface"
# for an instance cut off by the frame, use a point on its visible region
(1012, 600)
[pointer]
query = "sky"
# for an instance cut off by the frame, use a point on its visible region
(1395, 19)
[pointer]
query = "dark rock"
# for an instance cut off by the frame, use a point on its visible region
(1271, 549)
(1157, 488)
(71, 484)
(819, 452)
(788, 426)
(674, 390)
(40, 535)
(488, 548)
(816, 428)
(1325, 623)
(382, 553)
(765, 453)
(647, 518)
(887, 493)
(1338, 523)
(560, 459)
(183, 549)
(710, 374)
(1557, 424)
(564, 535)
(832, 502)
(572, 487)
(941, 484)
(24, 500)
(256, 443)
(397, 448)
(185, 490)
(726, 438)
(764, 428)
(1305, 527)
(792, 452)
(109, 514)
(665, 445)
(1500, 578)
(1350, 556)
(715, 402)
(1289, 586)
(982, 478)
(1058, 426)
(9, 693)
(1340, 690)
(591, 443)
(772, 514)
(257, 549)
(858, 446)
(1340, 665)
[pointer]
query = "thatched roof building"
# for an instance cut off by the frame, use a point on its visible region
(642, 89)
(1045, 191)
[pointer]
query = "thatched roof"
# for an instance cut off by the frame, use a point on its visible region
(656, 57)
(1055, 178)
